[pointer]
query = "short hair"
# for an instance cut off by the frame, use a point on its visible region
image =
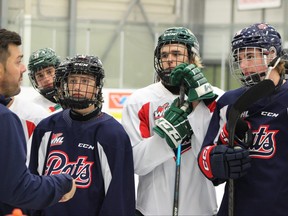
(6, 38)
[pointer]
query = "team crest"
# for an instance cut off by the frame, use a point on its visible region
(81, 170)
(159, 113)
(57, 139)
(264, 144)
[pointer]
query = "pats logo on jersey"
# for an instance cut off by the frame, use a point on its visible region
(159, 112)
(264, 144)
(56, 139)
(81, 170)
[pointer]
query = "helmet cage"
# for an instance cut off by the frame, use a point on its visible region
(259, 37)
(255, 68)
(79, 65)
(41, 59)
(175, 35)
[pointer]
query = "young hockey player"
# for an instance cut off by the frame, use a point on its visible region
(258, 164)
(148, 128)
(86, 143)
(42, 64)
(18, 186)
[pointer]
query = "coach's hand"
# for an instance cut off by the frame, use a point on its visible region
(70, 194)
(196, 85)
(174, 126)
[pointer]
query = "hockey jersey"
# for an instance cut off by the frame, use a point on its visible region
(154, 160)
(97, 153)
(46, 104)
(29, 113)
(264, 190)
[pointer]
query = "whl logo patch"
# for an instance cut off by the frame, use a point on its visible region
(56, 139)
(159, 113)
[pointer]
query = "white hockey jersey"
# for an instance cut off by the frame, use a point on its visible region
(29, 113)
(47, 104)
(154, 160)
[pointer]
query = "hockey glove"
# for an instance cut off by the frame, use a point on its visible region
(196, 84)
(224, 162)
(174, 126)
(243, 135)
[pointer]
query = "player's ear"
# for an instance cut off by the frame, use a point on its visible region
(272, 53)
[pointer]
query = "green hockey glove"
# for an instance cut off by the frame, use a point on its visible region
(196, 85)
(174, 126)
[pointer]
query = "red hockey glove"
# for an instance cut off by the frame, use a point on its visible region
(243, 134)
(224, 162)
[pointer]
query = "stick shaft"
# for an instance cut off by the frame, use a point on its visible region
(253, 94)
(177, 182)
(178, 162)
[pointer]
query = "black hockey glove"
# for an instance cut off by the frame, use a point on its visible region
(174, 126)
(243, 134)
(224, 162)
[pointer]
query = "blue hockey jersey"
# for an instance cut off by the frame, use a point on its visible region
(264, 190)
(18, 186)
(97, 153)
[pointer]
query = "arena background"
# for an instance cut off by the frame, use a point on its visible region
(123, 33)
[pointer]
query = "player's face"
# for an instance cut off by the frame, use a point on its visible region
(82, 86)
(252, 60)
(172, 55)
(11, 74)
(45, 77)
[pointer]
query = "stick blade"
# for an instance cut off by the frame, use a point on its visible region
(254, 93)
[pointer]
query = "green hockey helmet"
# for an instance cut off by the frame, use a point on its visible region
(174, 35)
(39, 60)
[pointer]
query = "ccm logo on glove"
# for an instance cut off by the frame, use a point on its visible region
(204, 162)
(168, 129)
(224, 162)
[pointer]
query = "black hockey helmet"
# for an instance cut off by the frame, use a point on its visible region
(79, 65)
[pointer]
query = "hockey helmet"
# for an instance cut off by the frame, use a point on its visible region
(257, 37)
(79, 65)
(174, 35)
(39, 60)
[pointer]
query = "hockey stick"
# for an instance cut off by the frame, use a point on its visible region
(253, 94)
(177, 182)
(178, 163)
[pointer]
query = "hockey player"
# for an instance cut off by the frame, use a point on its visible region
(86, 143)
(153, 150)
(259, 162)
(42, 64)
(18, 186)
